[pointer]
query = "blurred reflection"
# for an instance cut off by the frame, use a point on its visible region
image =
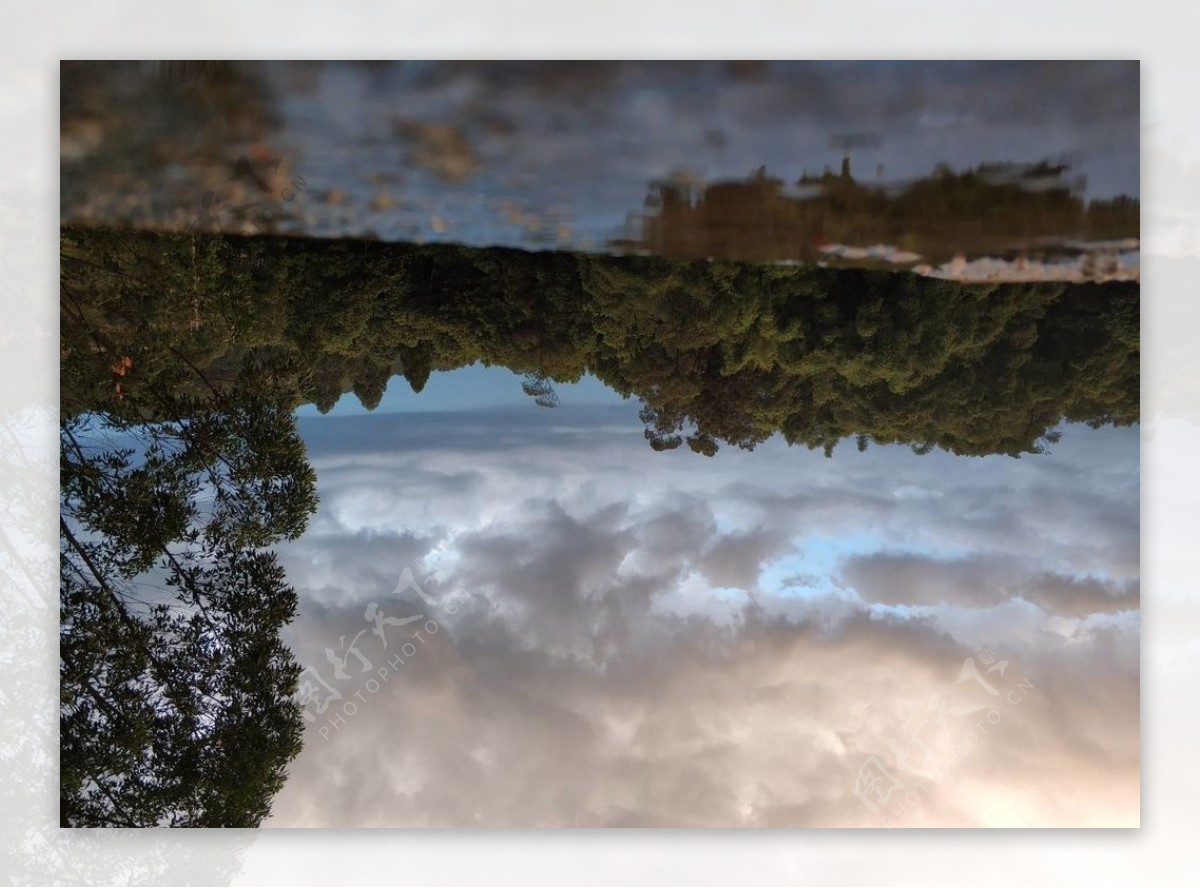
(1032, 218)
(558, 155)
(152, 143)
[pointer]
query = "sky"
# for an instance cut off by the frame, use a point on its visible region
(609, 636)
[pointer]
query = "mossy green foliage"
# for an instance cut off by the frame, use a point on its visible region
(717, 352)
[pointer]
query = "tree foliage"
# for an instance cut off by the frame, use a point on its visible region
(177, 694)
(717, 352)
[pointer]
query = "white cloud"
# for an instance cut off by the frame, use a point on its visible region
(620, 660)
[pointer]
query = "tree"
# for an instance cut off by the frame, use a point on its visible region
(730, 352)
(177, 696)
(370, 384)
(539, 387)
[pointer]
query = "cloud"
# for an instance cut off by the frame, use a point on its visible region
(621, 653)
(984, 581)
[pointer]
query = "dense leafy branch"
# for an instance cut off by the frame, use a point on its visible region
(178, 701)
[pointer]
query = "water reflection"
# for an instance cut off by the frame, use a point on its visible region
(641, 599)
(560, 154)
(1030, 220)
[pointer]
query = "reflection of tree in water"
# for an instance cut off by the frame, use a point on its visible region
(129, 128)
(221, 101)
(994, 208)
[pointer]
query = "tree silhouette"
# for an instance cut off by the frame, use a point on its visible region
(539, 387)
(177, 694)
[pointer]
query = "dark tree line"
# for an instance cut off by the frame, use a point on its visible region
(717, 352)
